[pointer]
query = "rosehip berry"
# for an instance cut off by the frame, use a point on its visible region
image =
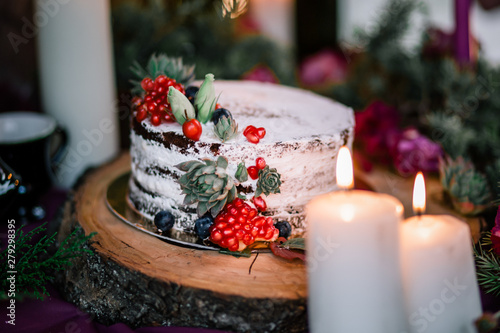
(253, 172)
(192, 129)
(259, 203)
(260, 162)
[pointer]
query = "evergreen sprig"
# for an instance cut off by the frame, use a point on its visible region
(35, 264)
(487, 266)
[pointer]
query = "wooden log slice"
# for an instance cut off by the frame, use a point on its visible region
(140, 280)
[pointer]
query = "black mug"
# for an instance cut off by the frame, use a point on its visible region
(31, 144)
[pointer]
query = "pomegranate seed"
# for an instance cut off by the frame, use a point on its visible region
(240, 234)
(253, 172)
(261, 132)
(161, 80)
(234, 247)
(229, 207)
(238, 202)
(151, 106)
(216, 235)
(231, 219)
(245, 210)
(155, 120)
(252, 137)
(220, 225)
(160, 90)
(242, 219)
(249, 129)
(259, 203)
(223, 243)
(259, 222)
(231, 241)
(248, 239)
(252, 214)
(260, 163)
(147, 84)
(233, 211)
(237, 226)
(227, 232)
(148, 98)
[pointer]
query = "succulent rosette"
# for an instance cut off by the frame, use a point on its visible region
(208, 184)
(269, 181)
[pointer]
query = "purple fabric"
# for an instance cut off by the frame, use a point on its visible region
(56, 316)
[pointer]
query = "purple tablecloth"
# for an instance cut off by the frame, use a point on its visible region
(56, 316)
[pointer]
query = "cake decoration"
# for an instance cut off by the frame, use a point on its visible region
(253, 134)
(192, 129)
(269, 181)
(164, 221)
(239, 226)
(205, 100)
(225, 128)
(207, 184)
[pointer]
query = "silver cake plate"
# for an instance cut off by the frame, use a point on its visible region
(119, 204)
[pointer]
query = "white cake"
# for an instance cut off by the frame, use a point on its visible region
(304, 132)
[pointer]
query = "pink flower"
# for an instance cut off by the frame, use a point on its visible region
(260, 73)
(414, 152)
(495, 234)
(324, 67)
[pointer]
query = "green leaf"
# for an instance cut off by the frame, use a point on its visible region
(295, 243)
(205, 99)
(222, 162)
(246, 253)
(181, 106)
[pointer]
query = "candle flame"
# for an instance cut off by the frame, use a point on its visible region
(345, 178)
(419, 194)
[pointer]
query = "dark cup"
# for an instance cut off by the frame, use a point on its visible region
(31, 144)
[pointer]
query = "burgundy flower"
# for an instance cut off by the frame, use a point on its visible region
(377, 130)
(414, 152)
(495, 234)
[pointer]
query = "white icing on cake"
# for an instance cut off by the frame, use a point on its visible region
(304, 132)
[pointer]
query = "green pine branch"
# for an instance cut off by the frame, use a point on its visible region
(35, 264)
(487, 266)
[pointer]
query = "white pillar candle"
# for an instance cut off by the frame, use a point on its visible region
(439, 277)
(354, 276)
(77, 80)
(275, 18)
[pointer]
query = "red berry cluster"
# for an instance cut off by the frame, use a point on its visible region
(253, 171)
(155, 102)
(239, 225)
(253, 134)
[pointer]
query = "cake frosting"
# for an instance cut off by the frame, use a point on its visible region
(304, 132)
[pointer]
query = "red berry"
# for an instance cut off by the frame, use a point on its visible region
(192, 129)
(141, 114)
(260, 163)
(155, 119)
(248, 129)
(218, 106)
(259, 203)
(252, 137)
(261, 132)
(147, 84)
(253, 172)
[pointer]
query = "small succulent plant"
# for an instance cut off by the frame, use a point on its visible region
(226, 128)
(468, 188)
(207, 184)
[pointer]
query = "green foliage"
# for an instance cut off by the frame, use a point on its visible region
(35, 264)
(162, 64)
(455, 106)
(487, 266)
(226, 129)
(195, 31)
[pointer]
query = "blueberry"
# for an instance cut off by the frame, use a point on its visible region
(191, 93)
(284, 228)
(164, 220)
(219, 113)
(202, 225)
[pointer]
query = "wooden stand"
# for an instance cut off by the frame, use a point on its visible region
(140, 280)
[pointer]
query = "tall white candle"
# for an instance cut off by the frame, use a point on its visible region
(440, 284)
(353, 267)
(77, 80)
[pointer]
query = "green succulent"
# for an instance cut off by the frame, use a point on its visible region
(181, 106)
(208, 184)
(468, 188)
(226, 128)
(162, 64)
(205, 99)
(269, 181)
(241, 173)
